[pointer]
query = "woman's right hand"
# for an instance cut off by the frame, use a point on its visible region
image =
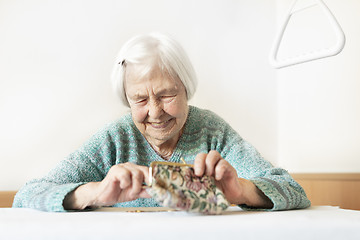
(122, 183)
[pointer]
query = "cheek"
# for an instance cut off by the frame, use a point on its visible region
(176, 109)
(139, 114)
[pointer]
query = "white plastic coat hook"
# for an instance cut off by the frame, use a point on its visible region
(307, 56)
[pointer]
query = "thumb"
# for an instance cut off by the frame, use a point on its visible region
(144, 194)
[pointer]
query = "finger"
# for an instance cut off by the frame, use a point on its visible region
(123, 175)
(199, 164)
(221, 168)
(145, 172)
(144, 194)
(137, 179)
(118, 175)
(211, 160)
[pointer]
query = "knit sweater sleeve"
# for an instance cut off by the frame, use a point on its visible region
(276, 183)
(214, 133)
(89, 163)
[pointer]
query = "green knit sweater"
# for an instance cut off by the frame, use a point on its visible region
(121, 142)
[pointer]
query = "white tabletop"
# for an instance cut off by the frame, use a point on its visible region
(114, 223)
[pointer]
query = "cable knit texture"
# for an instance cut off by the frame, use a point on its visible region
(122, 142)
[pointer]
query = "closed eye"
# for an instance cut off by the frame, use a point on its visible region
(168, 98)
(141, 101)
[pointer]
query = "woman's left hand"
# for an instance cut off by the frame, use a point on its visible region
(236, 190)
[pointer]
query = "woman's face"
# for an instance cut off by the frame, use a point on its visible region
(158, 105)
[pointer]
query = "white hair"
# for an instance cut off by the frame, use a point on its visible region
(152, 51)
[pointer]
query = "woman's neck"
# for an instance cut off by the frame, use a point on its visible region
(164, 153)
(166, 149)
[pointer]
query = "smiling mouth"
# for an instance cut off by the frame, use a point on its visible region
(159, 125)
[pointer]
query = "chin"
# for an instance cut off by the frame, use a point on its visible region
(162, 138)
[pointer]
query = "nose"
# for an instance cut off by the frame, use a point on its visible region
(155, 109)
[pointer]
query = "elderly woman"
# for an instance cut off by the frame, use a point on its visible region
(154, 77)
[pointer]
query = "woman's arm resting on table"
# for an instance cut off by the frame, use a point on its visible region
(253, 196)
(122, 183)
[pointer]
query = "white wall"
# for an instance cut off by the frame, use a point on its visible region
(56, 58)
(319, 102)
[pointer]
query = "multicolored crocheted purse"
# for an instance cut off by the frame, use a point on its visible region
(175, 185)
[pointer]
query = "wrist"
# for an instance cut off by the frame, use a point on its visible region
(253, 196)
(80, 198)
